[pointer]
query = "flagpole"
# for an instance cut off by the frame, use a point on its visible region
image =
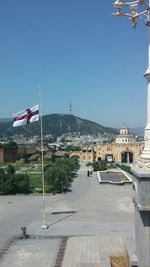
(44, 225)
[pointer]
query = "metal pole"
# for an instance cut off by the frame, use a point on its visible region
(44, 226)
(62, 184)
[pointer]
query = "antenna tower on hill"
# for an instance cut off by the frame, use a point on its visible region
(70, 108)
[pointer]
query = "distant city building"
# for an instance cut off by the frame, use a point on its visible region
(8, 154)
(124, 150)
(125, 137)
(119, 153)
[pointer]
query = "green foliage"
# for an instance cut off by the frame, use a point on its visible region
(111, 166)
(73, 148)
(89, 164)
(35, 180)
(59, 175)
(124, 168)
(102, 166)
(22, 183)
(99, 166)
(71, 164)
(12, 183)
(10, 170)
(6, 183)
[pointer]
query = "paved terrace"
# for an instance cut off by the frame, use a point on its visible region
(86, 225)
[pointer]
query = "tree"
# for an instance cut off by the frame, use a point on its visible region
(55, 177)
(6, 183)
(22, 183)
(10, 170)
(72, 164)
(12, 183)
(60, 174)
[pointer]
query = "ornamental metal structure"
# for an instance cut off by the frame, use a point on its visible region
(119, 5)
(141, 169)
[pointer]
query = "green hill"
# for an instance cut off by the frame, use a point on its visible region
(56, 124)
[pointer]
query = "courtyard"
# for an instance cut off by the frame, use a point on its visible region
(89, 209)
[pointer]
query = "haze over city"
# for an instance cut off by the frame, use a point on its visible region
(76, 51)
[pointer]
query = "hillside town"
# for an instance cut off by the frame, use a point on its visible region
(124, 148)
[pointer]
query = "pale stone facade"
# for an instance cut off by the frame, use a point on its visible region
(124, 150)
(121, 153)
(126, 153)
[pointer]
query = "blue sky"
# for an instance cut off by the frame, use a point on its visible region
(74, 50)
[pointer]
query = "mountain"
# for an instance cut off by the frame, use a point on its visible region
(56, 124)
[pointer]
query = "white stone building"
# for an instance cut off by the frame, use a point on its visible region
(125, 137)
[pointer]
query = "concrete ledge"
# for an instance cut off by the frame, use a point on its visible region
(130, 245)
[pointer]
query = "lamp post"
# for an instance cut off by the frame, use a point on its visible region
(141, 169)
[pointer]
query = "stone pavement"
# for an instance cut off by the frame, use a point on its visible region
(95, 220)
(32, 253)
(82, 251)
(94, 251)
(76, 228)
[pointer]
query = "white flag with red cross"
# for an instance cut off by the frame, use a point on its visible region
(27, 116)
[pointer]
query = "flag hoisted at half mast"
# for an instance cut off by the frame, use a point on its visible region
(27, 116)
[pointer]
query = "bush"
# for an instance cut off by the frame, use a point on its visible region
(89, 164)
(22, 183)
(11, 183)
(10, 170)
(73, 148)
(124, 168)
(99, 166)
(6, 184)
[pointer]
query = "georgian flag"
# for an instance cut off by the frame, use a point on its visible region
(27, 116)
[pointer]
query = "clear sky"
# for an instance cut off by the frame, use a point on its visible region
(74, 50)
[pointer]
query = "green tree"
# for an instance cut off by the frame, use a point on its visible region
(6, 183)
(10, 170)
(11, 183)
(55, 177)
(60, 173)
(22, 183)
(71, 163)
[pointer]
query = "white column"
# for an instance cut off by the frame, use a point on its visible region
(146, 152)
(128, 158)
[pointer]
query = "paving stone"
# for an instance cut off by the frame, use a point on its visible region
(32, 253)
(93, 251)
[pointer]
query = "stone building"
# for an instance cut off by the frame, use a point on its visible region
(8, 154)
(123, 150)
(121, 153)
(125, 137)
